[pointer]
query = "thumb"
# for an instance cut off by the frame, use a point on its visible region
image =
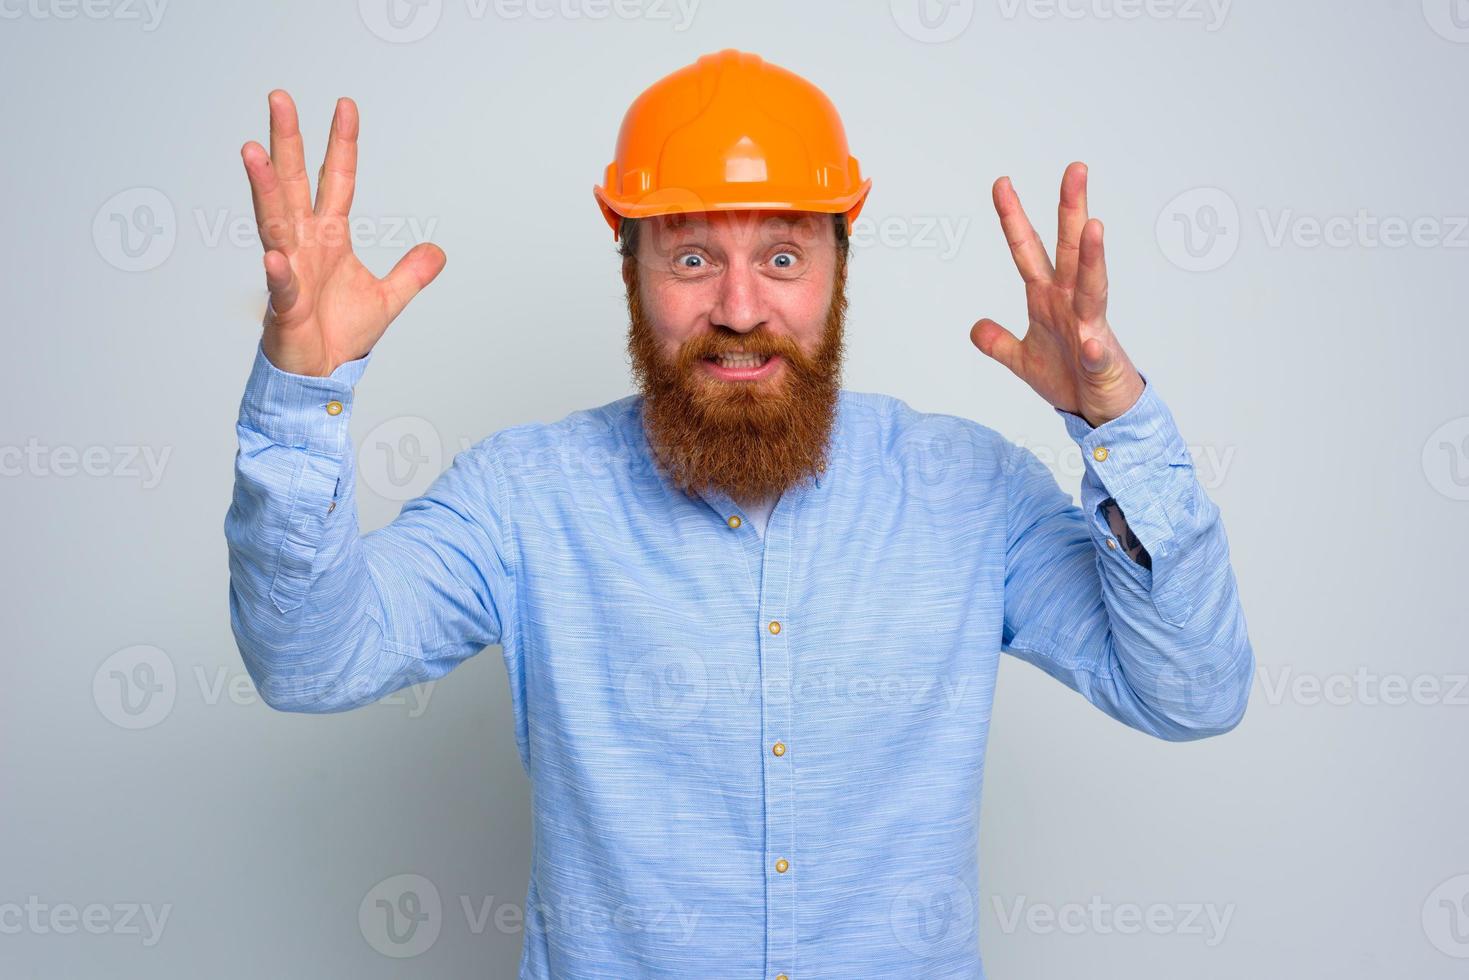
(281, 282)
(1096, 358)
(415, 270)
(996, 342)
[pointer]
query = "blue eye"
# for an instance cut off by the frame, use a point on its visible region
(784, 255)
(698, 260)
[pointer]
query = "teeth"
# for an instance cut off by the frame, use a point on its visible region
(742, 360)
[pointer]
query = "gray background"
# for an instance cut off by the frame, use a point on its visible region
(1319, 380)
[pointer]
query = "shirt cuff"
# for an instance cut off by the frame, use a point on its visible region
(298, 410)
(1129, 458)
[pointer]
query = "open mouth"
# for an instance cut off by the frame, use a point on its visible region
(741, 367)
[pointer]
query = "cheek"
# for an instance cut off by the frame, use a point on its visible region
(674, 315)
(801, 312)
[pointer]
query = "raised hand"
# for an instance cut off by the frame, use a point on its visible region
(1069, 355)
(325, 307)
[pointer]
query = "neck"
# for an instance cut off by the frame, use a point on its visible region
(750, 503)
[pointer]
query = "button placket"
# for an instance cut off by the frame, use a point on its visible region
(746, 541)
(777, 714)
(772, 556)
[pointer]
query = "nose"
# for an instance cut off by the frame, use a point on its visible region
(738, 305)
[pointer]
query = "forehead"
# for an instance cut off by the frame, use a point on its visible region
(744, 225)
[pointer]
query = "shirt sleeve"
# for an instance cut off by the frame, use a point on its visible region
(326, 618)
(1164, 648)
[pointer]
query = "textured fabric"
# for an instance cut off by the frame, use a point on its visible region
(651, 682)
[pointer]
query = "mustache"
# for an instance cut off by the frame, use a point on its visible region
(763, 345)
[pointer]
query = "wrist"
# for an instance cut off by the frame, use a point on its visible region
(1115, 406)
(305, 411)
(284, 359)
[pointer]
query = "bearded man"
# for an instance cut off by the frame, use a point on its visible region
(751, 619)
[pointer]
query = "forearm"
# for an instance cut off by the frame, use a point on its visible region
(326, 618)
(303, 608)
(1177, 650)
(1177, 631)
(1152, 631)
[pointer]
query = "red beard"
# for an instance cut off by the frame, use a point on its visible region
(750, 439)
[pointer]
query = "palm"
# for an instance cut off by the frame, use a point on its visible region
(340, 312)
(1069, 355)
(325, 308)
(1048, 348)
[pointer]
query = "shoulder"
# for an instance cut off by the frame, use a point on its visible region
(586, 437)
(879, 424)
(934, 462)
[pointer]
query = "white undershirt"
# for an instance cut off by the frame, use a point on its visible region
(759, 513)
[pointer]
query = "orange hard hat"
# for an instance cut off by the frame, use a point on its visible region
(731, 131)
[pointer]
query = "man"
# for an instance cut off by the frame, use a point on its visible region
(751, 619)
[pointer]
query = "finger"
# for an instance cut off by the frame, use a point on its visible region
(267, 196)
(281, 280)
(1025, 246)
(338, 177)
(287, 153)
(1071, 218)
(1090, 301)
(414, 271)
(996, 342)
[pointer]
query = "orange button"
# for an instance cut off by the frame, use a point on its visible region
(734, 520)
(779, 748)
(1100, 453)
(782, 865)
(775, 626)
(334, 408)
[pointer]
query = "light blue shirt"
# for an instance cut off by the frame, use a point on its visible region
(748, 755)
